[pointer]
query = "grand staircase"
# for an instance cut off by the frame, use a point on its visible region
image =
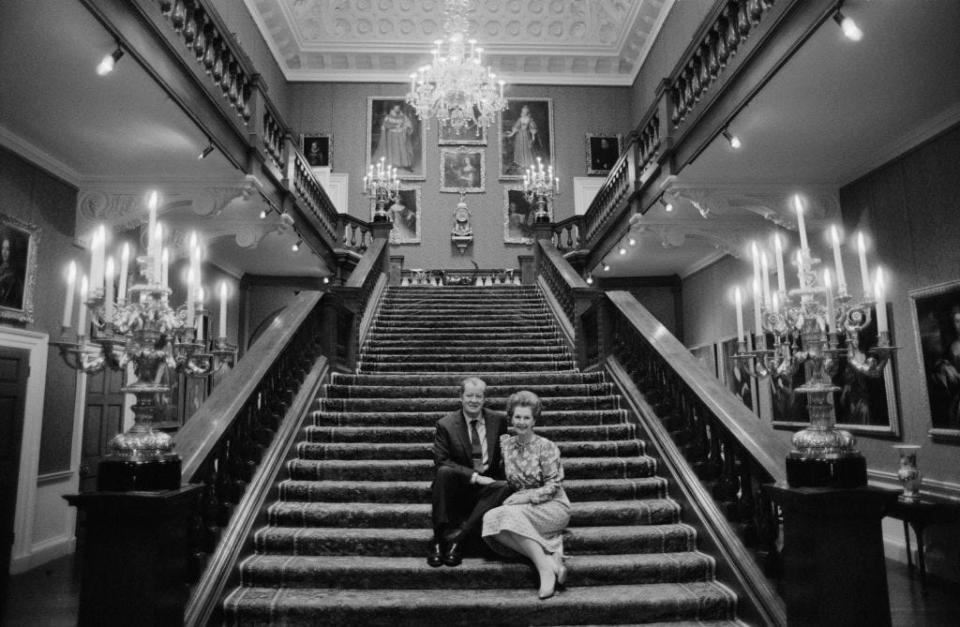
(346, 541)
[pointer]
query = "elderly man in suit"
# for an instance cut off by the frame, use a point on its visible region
(469, 478)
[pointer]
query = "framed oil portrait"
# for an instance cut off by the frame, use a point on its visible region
(18, 268)
(526, 134)
(936, 324)
(318, 149)
(467, 136)
(602, 152)
(395, 134)
(518, 217)
(463, 169)
(404, 213)
(706, 355)
(734, 375)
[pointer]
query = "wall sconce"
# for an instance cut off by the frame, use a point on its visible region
(606, 267)
(206, 151)
(733, 140)
(108, 62)
(589, 279)
(296, 245)
(850, 29)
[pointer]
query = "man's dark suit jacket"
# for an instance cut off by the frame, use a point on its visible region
(452, 447)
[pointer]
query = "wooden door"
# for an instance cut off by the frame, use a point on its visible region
(14, 370)
(103, 419)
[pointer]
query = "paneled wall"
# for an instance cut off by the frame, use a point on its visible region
(341, 109)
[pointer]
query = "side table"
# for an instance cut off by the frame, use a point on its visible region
(919, 512)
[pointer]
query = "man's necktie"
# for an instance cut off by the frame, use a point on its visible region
(477, 447)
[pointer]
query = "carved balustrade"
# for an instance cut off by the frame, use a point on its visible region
(357, 235)
(566, 234)
(312, 198)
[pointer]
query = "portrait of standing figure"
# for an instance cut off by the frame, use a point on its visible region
(526, 135)
(395, 134)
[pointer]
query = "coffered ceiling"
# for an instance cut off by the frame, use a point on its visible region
(556, 42)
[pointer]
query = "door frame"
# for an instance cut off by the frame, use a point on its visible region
(38, 345)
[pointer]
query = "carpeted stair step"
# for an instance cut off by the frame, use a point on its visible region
(497, 378)
(473, 350)
(453, 391)
(451, 404)
(417, 515)
(468, 368)
(384, 434)
(414, 542)
(412, 572)
(486, 342)
(419, 491)
(502, 607)
(424, 449)
(476, 359)
(473, 317)
(417, 469)
(418, 419)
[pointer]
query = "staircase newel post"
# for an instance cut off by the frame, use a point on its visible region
(541, 231)
(381, 230)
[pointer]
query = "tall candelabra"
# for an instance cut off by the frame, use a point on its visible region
(806, 325)
(540, 187)
(140, 329)
(383, 185)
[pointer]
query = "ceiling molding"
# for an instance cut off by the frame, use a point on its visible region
(45, 161)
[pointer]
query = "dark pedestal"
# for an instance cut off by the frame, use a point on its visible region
(121, 474)
(846, 472)
(133, 563)
(834, 570)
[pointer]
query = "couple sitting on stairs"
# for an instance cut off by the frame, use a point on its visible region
(510, 484)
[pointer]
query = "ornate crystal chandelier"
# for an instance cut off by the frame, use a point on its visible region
(456, 88)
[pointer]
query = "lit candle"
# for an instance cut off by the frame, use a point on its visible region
(108, 290)
(124, 269)
(199, 315)
(68, 303)
(155, 257)
(838, 260)
(828, 285)
(757, 319)
(775, 302)
(778, 248)
(97, 253)
(82, 314)
(738, 298)
(501, 88)
(755, 255)
(801, 225)
(800, 267)
(165, 268)
(881, 303)
(152, 220)
(864, 274)
(189, 304)
(223, 309)
(765, 279)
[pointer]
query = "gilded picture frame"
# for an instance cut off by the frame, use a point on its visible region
(518, 216)
(19, 241)
(468, 136)
(525, 136)
(396, 134)
(463, 169)
(405, 215)
(602, 152)
(936, 327)
(318, 149)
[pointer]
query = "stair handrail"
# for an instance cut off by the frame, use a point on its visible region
(363, 291)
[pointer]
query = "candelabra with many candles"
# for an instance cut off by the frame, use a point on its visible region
(806, 324)
(137, 329)
(383, 185)
(540, 187)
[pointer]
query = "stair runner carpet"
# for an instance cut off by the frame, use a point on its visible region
(346, 542)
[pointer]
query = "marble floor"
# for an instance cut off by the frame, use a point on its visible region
(48, 595)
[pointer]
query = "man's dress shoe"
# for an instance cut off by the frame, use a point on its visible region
(435, 558)
(454, 554)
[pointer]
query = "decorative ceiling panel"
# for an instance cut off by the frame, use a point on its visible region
(558, 42)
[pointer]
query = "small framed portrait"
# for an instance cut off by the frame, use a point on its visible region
(706, 354)
(318, 149)
(395, 135)
(526, 135)
(466, 136)
(462, 169)
(518, 217)
(404, 213)
(602, 152)
(18, 268)
(734, 375)
(936, 323)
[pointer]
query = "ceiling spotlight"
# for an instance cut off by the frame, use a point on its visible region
(326, 280)
(296, 245)
(850, 29)
(106, 64)
(622, 250)
(667, 206)
(606, 267)
(589, 279)
(632, 241)
(263, 214)
(206, 151)
(733, 139)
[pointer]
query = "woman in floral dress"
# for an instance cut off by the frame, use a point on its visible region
(532, 520)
